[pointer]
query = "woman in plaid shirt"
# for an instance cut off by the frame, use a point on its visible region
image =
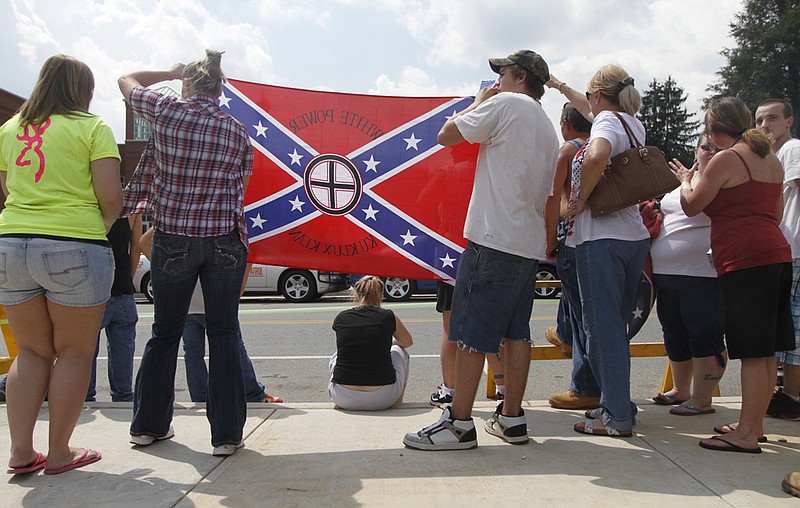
(192, 179)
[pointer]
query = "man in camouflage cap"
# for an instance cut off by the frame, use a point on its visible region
(525, 58)
(505, 229)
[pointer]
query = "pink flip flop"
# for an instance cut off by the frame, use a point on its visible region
(83, 460)
(36, 465)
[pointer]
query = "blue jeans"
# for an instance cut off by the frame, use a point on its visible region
(119, 322)
(194, 352)
(608, 277)
(583, 380)
(176, 263)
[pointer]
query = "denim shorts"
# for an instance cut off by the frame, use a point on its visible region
(70, 273)
(493, 299)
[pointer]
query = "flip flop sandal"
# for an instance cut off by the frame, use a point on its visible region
(37, 464)
(83, 460)
(686, 410)
(720, 429)
(665, 399)
(272, 399)
(591, 427)
(729, 448)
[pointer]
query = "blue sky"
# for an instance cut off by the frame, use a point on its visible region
(396, 47)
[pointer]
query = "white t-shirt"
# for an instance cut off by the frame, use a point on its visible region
(681, 246)
(625, 224)
(514, 174)
(789, 155)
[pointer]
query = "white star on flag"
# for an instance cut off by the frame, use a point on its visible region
(370, 213)
(412, 142)
(451, 116)
(258, 221)
(408, 238)
(295, 157)
(372, 164)
(297, 204)
(223, 101)
(447, 261)
(261, 129)
(637, 313)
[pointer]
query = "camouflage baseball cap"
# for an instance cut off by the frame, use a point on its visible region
(525, 58)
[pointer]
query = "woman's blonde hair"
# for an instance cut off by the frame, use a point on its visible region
(368, 291)
(65, 87)
(205, 75)
(730, 115)
(617, 86)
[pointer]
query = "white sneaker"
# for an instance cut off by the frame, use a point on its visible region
(511, 429)
(227, 449)
(446, 434)
(146, 440)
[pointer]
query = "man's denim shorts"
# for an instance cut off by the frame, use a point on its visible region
(493, 299)
(70, 273)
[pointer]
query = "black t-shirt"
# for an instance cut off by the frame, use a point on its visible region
(363, 341)
(120, 238)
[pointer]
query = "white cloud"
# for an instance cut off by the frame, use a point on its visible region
(33, 32)
(398, 47)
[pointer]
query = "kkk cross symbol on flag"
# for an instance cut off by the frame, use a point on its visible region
(353, 183)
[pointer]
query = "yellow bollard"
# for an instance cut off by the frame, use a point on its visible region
(11, 345)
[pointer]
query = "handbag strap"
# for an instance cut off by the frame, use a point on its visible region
(631, 138)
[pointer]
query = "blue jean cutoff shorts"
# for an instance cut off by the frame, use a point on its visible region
(70, 273)
(493, 299)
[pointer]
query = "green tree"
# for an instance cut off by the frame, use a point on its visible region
(766, 62)
(669, 126)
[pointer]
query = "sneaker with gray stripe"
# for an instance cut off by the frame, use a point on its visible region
(511, 429)
(446, 434)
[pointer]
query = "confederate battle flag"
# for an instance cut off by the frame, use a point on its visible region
(353, 183)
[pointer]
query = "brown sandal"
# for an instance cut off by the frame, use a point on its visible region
(595, 428)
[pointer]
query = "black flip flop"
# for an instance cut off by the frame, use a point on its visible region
(730, 448)
(718, 430)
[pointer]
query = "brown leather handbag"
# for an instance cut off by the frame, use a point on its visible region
(637, 174)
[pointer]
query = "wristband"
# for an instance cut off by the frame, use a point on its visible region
(559, 87)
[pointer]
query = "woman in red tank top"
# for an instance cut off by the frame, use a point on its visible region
(740, 191)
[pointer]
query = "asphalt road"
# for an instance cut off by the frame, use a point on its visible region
(290, 345)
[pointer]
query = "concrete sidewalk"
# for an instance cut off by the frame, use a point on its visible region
(314, 455)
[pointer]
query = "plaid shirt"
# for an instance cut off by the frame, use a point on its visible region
(191, 172)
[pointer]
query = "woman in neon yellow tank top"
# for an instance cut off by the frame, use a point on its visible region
(59, 169)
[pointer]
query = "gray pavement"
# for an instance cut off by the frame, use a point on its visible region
(315, 455)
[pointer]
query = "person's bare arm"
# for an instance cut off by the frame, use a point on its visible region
(578, 99)
(131, 80)
(449, 134)
(107, 189)
(552, 212)
(146, 241)
(695, 199)
(401, 335)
